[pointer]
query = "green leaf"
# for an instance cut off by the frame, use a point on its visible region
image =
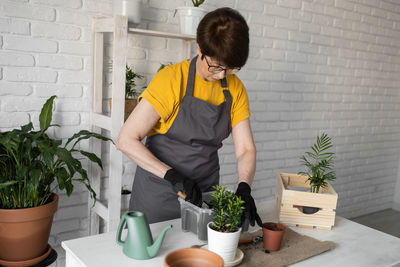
(46, 114)
(92, 157)
(6, 184)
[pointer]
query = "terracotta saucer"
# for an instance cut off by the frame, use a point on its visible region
(235, 261)
(27, 262)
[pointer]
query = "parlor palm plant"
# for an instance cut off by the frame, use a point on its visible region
(319, 164)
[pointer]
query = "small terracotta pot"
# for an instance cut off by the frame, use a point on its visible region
(272, 235)
(193, 257)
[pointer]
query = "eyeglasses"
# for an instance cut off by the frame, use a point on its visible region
(218, 69)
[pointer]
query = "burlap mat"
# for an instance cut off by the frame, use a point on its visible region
(294, 248)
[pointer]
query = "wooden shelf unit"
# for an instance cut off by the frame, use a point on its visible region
(118, 27)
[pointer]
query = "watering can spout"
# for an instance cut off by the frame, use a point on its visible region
(153, 249)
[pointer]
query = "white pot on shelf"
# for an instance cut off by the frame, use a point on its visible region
(189, 18)
(129, 8)
(223, 244)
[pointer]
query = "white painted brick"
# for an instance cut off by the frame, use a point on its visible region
(29, 11)
(300, 15)
(55, 31)
(14, 59)
(255, 6)
(298, 36)
(274, 54)
(348, 15)
(14, 26)
(275, 10)
(20, 104)
(28, 74)
(275, 33)
(18, 89)
(75, 48)
(313, 7)
(59, 62)
(344, 4)
(30, 45)
(100, 7)
(62, 91)
(160, 4)
(67, 77)
(285, 23)
(73, 17)
(290, 3)
(263, 20)
(13, 119)
(59, 3)
(309, 27)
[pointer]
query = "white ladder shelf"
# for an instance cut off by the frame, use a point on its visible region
(118, 26)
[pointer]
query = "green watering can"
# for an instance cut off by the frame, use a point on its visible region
(139, 242)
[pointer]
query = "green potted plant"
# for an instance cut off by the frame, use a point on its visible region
(190, 16)
(319, 167)
(224, 231)
(131, 92)
(33, 166)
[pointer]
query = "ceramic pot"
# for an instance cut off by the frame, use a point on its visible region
(224, 244)
(189, 257)
(129, 8)
(189, 18)
(24, 233)
(272, 235)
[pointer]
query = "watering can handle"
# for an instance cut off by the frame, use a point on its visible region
(119, 231)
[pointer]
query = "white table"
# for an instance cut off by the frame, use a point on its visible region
(358, 245)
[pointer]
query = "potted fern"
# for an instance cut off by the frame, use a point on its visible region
(33, 166)
(190, 16)
(319, 167)
(224, 231)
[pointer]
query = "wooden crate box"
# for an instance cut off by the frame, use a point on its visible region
(290, 203)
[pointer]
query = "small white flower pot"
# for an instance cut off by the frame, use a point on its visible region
(129, 8)
(224, 244)
(189, 18)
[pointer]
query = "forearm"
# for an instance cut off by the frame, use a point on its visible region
(246, 164)
(139, 153)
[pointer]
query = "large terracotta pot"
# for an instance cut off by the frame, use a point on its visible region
(24, 233)
(191, 257)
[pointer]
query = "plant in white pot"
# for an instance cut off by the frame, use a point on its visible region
(319, 165)
(190, 16)
(32, 167)
(224, 231)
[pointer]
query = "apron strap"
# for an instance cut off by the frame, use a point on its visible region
(192, 75)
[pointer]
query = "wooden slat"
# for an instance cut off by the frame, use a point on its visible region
(102, 121)
(101, 210)
(103, 24)
(162, 34)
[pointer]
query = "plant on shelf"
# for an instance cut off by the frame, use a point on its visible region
(319, 164)
(197, 3)
(33, 166)
(130, 85)
(224, 230)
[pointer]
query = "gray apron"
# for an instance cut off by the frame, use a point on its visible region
(190, 146)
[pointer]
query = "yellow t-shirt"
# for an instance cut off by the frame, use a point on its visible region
(167, 89)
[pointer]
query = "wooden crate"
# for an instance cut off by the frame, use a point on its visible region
(290, 202)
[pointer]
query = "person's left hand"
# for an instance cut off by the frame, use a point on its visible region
(250, 211)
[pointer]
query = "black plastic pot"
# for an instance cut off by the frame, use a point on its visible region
(309, 210)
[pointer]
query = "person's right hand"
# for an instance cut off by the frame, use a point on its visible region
(185, 185)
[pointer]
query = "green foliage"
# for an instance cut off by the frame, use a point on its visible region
(33, 165)
(319, 163)
(228, 208)
(163, 66)
(197, 3)
(130, 90)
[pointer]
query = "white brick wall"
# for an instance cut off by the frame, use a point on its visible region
(315, 66)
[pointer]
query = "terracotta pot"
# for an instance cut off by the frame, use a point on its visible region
(130, 104)
(24, 233)
(193, 257)
(272, 235)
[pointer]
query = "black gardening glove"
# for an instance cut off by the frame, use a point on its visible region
(250, 211)
(185, 185)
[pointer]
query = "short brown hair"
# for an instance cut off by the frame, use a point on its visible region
(223, 34)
